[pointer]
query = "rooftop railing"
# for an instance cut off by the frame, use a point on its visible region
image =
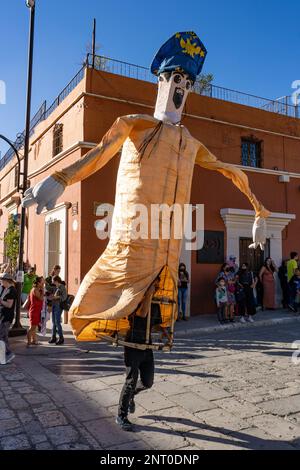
(42, 114)
(125, 69)
(66, 91)
(281, 106)
(118, 67)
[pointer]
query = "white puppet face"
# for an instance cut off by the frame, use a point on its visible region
(173, 89)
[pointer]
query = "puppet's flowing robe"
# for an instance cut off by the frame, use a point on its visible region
(156, 167)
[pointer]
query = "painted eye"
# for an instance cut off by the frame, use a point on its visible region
(177, 78)
(160, 78)
(188, 85)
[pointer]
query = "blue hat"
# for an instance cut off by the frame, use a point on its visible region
(183, 52)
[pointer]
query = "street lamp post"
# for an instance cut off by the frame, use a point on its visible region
(17, 155)
(17, 329)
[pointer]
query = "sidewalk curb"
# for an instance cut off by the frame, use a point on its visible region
(235, 326)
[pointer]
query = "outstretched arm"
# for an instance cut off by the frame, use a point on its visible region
(96, 158)
(207, 160)
(47, 191)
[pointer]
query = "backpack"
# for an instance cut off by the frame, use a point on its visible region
(66, 304)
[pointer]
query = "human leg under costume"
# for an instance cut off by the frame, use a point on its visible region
(138, 362)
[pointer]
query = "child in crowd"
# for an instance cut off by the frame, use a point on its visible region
(221, 300)
(231, 287)
(294, 286)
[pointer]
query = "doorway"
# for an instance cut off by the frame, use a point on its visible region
(56, 242)
(54, 248)
(255, 258)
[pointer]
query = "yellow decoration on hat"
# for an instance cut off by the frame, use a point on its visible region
(189, 48)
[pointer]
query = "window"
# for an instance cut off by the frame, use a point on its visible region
(251, 152)
(57, 139)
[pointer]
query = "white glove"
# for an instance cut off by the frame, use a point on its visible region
(45, 193)
(259, 232)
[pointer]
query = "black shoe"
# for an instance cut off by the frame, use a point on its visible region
(131, 407)
(52, 340)
(60, 341)
(124, 423)
(184, 319)
(291, 307)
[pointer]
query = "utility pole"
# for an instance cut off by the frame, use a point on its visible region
(94, 43)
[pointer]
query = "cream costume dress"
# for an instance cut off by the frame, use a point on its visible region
(156, 167)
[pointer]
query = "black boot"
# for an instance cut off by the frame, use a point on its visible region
(124, 423)
(60, 341)
(131, 407)
(52, 340)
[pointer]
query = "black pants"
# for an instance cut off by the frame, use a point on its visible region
(285, 293)
(221, 312)
(248, 304)
(136, 362)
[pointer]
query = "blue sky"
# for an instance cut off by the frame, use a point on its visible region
(253, 46)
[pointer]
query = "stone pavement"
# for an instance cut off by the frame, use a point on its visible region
(231, 389)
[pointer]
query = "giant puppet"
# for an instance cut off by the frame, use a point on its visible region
(156, 167)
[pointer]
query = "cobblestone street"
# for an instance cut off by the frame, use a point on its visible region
(234, 389)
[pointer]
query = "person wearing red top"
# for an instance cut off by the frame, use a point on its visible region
(36, 299)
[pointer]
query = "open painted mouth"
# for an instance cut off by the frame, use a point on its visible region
(178, 97)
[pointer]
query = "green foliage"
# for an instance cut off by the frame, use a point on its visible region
(11, 240)
(203, 83)
(101, 63)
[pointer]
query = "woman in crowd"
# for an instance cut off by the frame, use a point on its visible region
(8, 296)
(36, 299)
(50, 287)
(226, 272)
(266, 277)
(60, 295)
(183, 281)
(248, 281)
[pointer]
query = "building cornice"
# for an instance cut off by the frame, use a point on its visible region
(62, 205)
(56, 159)
(235, 219)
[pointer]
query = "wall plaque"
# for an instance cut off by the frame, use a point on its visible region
(213, 248)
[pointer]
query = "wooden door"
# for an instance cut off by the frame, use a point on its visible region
(255, 258)
(54, 249)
